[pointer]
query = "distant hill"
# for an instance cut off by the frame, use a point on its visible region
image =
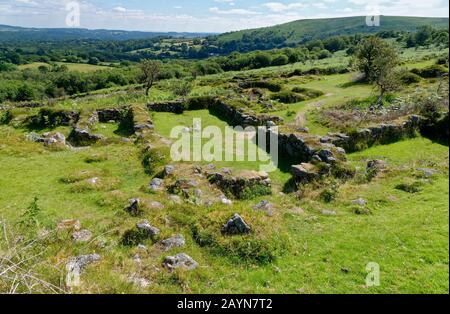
(14, 33)
(305, 30)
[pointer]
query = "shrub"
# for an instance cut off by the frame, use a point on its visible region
(410, 78)
(431, 71)
(6, 117)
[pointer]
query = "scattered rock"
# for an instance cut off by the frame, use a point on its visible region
(197, 169)
(76, 266)
(316, 158)
(147, 230)
(227, 171)
(82, 137)
(360, 202)
(175, 199)
(236, 225)
(156, 205)
(224, 200)
(298, 210)
(327, 156)
(176, 241)
(142, 247)
(82, 236)
(51, 139)
(156, 184)
(246, 184)
(427, 172)
(140, 282)
(326, 212)
(69, 224)
(264, 206)
(376, 165)
(181, 260)
(305, 172)
(169, 170)
(303, 130)
(48, 139)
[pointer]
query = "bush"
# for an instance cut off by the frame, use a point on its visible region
(432, 71)
(410, 78)
(6, 117)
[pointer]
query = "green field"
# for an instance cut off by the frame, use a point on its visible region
(78, 67)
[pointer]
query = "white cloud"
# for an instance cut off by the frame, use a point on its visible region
(281, 7)
(216, 10)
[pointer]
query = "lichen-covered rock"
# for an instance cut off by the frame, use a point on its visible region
(246, 184)
(48, 139)
(376, 165)
(175, 241)
(113, 114)
(147, 229)
(181, 260)
(82, 137)
(265, 206)
(156, 184)
(236, 225)
(305, 172)
(169, 170)
(359, 202)
(76, 266)
(82, 236)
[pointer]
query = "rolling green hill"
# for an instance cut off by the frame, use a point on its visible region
(304, 30)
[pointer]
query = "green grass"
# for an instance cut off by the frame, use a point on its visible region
(406, 234)
(79, 67)
(288, 252)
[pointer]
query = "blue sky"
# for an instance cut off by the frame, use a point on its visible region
(203, 15)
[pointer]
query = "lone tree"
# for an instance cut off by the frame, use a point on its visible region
(377, 60)
(150, 72)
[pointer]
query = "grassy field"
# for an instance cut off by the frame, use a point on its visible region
(406, 234)
(308, 244)
(79, 67)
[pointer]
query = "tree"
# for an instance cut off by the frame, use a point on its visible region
(377, 60)
(261, 60)
(25, 93)
(150, 72)
(423, 35)
(183, 88)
